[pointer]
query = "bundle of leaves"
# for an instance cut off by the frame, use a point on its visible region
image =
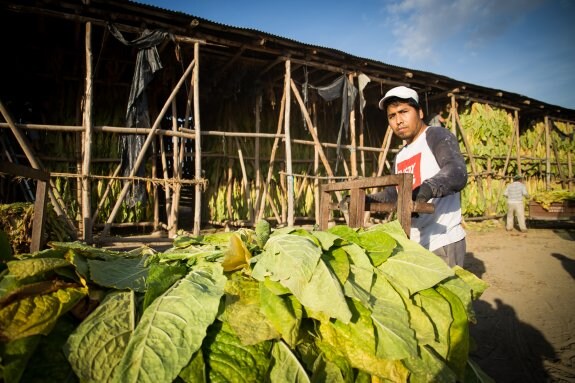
(547, 197)
(16, 221)
(292, 305)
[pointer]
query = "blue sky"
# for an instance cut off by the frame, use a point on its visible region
(520, 46)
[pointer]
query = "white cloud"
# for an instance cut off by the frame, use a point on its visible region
(421, 26)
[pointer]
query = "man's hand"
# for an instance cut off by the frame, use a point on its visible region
(344, 203)
(422, 193)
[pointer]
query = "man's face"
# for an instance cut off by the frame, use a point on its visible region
(405, 121)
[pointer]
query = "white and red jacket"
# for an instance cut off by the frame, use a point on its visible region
(433, 158)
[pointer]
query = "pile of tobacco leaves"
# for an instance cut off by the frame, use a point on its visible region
(285, 305)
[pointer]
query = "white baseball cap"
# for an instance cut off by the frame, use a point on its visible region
(401, 92)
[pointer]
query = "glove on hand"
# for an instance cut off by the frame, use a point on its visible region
(344, 203)
(422, 193)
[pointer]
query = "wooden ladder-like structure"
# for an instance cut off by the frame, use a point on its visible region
(358, 205)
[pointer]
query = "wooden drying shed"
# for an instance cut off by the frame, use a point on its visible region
(231, 125)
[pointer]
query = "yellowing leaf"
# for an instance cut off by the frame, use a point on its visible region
(237, 256)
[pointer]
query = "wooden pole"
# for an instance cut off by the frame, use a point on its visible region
(289, 169)
(105, 195)
(316, 191)
(476, 176)
(198, 146)
(547, 154)
(257, 157)
(453, 112)
(246, 183)
(173, 212)
(385, 146)
(353, 143)
(87, 141)
(145, 147)
(517, 142)
(167, 185)
(155, 186)
(570, 170)
(557, 159)
(271, 163)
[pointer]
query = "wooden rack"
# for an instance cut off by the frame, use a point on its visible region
(358, 205)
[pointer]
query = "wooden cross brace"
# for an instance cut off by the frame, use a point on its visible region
(358, 206)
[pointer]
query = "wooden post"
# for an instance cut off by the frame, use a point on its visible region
(173, 212)
(547, 154)
(316, 191)
(289, 169)
(353, 143)
(167, 184)
(471, 157)
(385, 146)
(275, 145)
(570, 170)
(258, 185)
(246, 182)
(453, 112)
(87, 141)
(145, 147)
(518, 143)
(488, 207)
(155, 192)
(198, 146)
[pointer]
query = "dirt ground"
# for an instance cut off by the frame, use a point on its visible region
(525, 330)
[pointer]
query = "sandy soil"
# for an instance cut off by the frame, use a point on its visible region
(525, 330)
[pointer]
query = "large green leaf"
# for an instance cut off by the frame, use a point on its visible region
(173, 327)
(37, 314)
(338, 262)
(286, 366)
(362, 270)
(415, 270)
(345, 232)
(32, 267)
(324, 284)
(96, 347)
(429, 367)
(229, 360)
(160, 278)
(288, 259)
(396, 340)
(462, 290)
(458, 334)
(356, 341)
(243, 311)
(438, 309)
(326, 239)
(283, 311)
(378, 245)
(478, 286)
(120, 273)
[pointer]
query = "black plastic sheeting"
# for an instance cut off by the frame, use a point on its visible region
(137, 114)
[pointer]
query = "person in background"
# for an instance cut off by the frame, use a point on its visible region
(437, 119)
(514, 192)
(432, 155)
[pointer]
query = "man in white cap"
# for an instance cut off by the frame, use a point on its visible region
(432, 155)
